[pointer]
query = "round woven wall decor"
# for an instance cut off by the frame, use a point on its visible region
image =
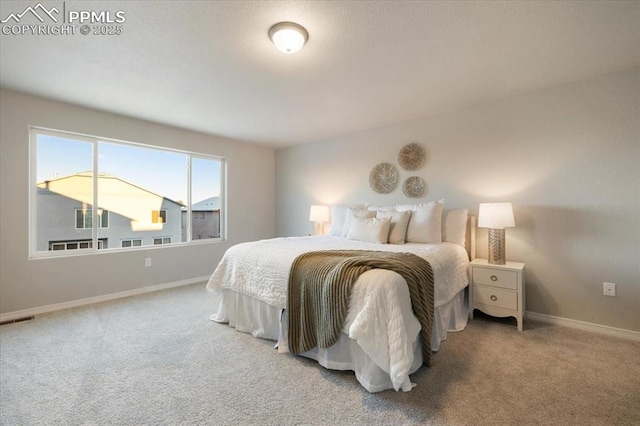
(383, 178)
(412, 156)
(414, 187)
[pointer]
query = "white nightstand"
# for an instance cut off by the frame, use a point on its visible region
(497, 290)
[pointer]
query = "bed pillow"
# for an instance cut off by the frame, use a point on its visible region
(455, 226)
(352, 212)
(382, 208)
(398, 227)
(425, 225)
(338, 217)
(371, 230)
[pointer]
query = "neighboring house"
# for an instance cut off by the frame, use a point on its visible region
(205, 219)
(128, 215)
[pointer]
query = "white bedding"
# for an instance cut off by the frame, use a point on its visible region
(379, 319)
(261, 268)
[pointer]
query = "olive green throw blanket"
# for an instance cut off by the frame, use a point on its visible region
(320, 284)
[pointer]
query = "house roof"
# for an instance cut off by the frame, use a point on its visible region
(210, 66)
(207, 205)
(106, 182)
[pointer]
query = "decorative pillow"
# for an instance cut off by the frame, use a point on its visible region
(399, 223)
(357, 211)
(370, 230)
(382, 208)
(338, 217)
(425, 225)
(455, 226)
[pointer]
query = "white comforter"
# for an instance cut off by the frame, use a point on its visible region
(380, 318)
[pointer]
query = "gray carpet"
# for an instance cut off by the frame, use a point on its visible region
(158, 360)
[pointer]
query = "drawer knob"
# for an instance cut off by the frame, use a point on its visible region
(494, 297)
(494, 278)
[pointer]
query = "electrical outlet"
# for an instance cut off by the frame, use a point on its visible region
(147, 262)
(609, 289)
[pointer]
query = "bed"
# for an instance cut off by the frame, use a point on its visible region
(380, 339)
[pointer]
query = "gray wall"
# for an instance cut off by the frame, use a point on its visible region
(567, 158)
(28, 283)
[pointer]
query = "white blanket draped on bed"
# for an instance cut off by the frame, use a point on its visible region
(380, 318)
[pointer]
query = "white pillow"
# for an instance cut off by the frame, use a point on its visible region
(355, 212)
(399, 223)
(455, 226)
(370, 230)
(382, 208)
(425, 225)
(338, 217)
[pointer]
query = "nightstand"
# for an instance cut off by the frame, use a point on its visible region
(497, 290)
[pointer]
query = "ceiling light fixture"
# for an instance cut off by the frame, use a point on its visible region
(288, 37)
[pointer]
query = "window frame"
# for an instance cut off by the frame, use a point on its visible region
(162, 241)
(101, 215)
(130, 240)
(78, 242)
(158, 214)
(96, 243)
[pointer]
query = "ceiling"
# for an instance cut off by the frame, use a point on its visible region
(210, 66)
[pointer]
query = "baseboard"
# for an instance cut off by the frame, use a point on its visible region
(596, 328)
(12, 316)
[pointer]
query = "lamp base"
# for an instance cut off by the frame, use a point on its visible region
(497, 247)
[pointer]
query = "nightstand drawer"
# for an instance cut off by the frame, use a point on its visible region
(495, 277)
(495, 297)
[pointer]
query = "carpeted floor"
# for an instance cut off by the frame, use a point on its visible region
(157, 360)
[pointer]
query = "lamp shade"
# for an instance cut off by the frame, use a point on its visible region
(319, 214)
(496, 216)
(288, 37)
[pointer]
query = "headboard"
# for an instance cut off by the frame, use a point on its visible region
(470, 237)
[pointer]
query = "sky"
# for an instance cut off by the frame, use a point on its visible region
(161, 172)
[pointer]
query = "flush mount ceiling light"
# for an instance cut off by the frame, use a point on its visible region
(288, 37)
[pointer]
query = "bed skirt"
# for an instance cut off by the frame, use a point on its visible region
(249, 315)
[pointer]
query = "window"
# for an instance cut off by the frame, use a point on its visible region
(133, 242)
(159, 216)
(208, 206)
(73, 245)
(84, 218)
(120, 191)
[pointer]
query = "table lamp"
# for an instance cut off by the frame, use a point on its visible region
(496, 217)
(319, 215)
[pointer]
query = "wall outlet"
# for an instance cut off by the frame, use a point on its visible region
(147, 261)
(609, 289)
